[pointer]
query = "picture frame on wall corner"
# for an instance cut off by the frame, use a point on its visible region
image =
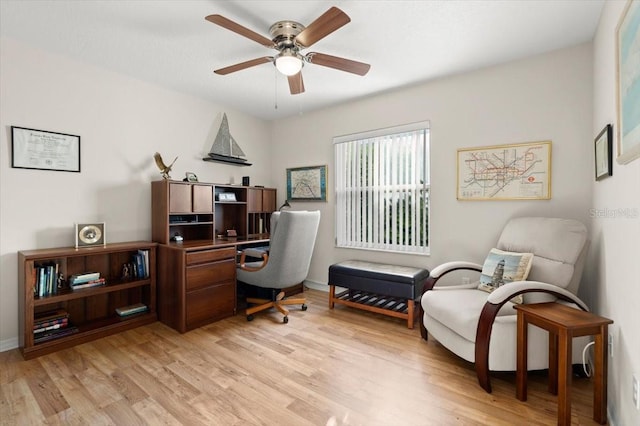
(628, 84)
(603, 152)
(307, 183)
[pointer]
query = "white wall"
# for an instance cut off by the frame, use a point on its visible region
(121, 122)
(559, 96)
(614, 263)
(547, 97)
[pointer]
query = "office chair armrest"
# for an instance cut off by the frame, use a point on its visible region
(495, 301)
(243, 265)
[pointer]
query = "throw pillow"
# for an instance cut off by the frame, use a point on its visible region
(502, 267)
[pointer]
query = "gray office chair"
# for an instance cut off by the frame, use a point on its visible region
(293, 235)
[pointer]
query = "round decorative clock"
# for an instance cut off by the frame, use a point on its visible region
(90, 234)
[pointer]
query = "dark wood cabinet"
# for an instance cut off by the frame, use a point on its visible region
(190, 198)
(197, 274)
(181, 210)
(91, 311)
(197, 285)
(261, 203)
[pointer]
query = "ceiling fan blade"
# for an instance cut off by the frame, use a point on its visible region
(244, 65)
(335, 62)
(239, 29)
(327, 23)
(296, 85)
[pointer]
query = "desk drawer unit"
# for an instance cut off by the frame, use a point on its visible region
(196, 287)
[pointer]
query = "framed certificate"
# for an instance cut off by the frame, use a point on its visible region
(43, 150)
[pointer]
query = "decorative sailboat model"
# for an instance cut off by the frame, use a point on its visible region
(225, 148)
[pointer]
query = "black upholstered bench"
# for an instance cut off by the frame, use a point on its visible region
(377, 287)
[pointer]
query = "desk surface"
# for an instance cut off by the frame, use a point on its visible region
(219, 243)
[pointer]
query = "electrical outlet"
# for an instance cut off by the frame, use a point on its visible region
(610, 345)
(636, 392)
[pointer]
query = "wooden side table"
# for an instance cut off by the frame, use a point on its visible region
(563, 324)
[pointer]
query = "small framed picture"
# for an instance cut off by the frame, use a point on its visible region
(190, 177)
(604, 157)
(307, 183)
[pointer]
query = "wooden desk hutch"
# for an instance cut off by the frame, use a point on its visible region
(197, 270)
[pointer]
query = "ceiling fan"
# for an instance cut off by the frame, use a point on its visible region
(289, 38)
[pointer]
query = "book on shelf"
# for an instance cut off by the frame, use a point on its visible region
(50, 315)
(46, 279)
(131, 309)
(145, 262)
(139, 261)
(47, 323)
(54, 334)
(62, 324)
(88, 284)
(83, 278)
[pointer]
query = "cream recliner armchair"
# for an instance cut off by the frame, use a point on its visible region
(481, 327)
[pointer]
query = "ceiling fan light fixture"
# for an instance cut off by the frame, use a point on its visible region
(288, 63)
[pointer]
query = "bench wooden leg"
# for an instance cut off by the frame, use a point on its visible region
(332, 296)
(410, 313)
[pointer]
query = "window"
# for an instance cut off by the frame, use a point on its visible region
(382, 189)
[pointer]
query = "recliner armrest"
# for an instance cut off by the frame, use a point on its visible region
(504, 293)
(447, 267)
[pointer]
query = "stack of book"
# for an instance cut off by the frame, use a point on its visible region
(138, 268)
(51, 325)
(46, 279)
(86, 280)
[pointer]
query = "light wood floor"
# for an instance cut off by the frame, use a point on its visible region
(357, 367)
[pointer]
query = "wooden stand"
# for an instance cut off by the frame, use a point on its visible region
(563, 324)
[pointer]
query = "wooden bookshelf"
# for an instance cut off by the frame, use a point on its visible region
(91, 310)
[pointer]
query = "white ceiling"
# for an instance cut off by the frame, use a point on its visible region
(169, 43)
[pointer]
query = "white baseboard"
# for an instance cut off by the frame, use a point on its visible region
(316, 285)
(610, 419)
(8, 344)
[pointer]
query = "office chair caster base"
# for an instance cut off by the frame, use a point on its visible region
(249, 317)
(285, 319)
(304, 307)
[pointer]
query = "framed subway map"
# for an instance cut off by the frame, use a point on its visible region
(505, 172)
(307, 183)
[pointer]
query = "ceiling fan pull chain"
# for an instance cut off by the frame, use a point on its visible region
(275, 85)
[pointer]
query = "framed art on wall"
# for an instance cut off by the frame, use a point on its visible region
(604, 158)
(307, 183)
(628, 83)
(505, 172)
(43, 150)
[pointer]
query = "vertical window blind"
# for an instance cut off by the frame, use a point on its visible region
(382, 189)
